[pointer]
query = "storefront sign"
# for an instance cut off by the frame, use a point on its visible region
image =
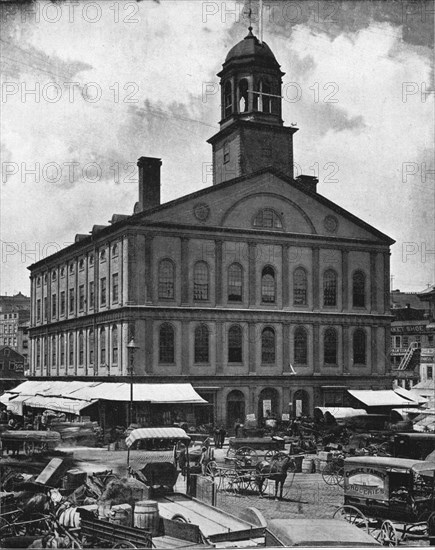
(367, 482)
(413, 329)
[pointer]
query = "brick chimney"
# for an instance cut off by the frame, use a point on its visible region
(309, 182)
(149, 183)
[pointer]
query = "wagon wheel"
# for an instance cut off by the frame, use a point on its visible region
(352, 515)
(245, 454)
(388, 534)
(124, 544)
(329, 474)
(212, 469)
(229, 479)
(5, 528)
(29, 448)
(275, 455)
(339, 476)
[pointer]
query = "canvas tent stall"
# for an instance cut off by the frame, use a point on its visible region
(106, 402)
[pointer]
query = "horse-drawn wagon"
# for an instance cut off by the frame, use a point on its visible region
(394, 497)
(30, 441)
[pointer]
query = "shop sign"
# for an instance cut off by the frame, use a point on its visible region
(413, 329)
(367, 482)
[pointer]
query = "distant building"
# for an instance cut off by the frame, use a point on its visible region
(11, 368)
(412, 337)
(13, 303)
(9, 325)
(23, 345)
(427, 353)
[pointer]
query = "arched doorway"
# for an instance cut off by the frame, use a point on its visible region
(268, 405)
(235, 408)
(301, 403)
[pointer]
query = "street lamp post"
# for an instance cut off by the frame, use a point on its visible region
(131, 346)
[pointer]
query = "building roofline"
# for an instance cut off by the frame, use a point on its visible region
(139, 218)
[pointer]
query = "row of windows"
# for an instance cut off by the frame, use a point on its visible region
(268, 345)
(167, 346)
(67, 351)
(263, 99)
(201, 286)
(81, 265)
(81, 298)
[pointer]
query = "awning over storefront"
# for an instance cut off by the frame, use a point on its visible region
(410, 395)
(381, 398)
(73, 396)
(342, 412)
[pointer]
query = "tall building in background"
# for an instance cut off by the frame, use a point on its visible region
(259, 291)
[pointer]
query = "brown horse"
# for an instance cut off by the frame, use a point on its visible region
(276, 470)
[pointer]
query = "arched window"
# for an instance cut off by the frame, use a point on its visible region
(359, 347)
(268, 346)
(200, 282)
(167, 344)
(38, 352)
(235, 353)
(71, 349)
(201, 344)
(81, 348)
(115, 345)
(330, 288)
(359, 289)
(166, 280)
(228, 99)
(330, 347)
(53, 351)
(301, 346)
(300, 287)
(91, 346)
(102, 346)
(268, 219)
(235, 283)
(268, 285)
(62, 349)
(243, 96)
(264, 98)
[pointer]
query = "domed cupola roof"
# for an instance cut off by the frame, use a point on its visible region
(251, 49)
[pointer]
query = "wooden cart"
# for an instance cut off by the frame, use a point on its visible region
(392, 496)
(29, 441)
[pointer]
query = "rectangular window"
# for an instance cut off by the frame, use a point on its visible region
(1, 366)
(38, 310)
(45, 308)
(429, 373)
(103, 291)
(71, 300)
(53, 305)
(62, 302)
(405, 341)
(91, 294)
(115, 288)
(11, 365)
(81, 297)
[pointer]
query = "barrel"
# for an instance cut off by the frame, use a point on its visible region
(121, 514)
(146, 516)
(307, 466)
(70, 518)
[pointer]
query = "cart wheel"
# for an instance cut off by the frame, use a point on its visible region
(328, 474)
(124, 544)
(5, 528)
(339, 476)
(180, 518)
(352, 515)
(388, 535)
(212, 469)
(230, 481)
(29, 448)
(247, 454)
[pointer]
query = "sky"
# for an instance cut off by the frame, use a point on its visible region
(89, 87)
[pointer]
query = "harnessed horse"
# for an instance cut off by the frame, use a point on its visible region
(276, 471)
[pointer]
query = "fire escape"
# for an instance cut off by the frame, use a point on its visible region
(412, 354)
